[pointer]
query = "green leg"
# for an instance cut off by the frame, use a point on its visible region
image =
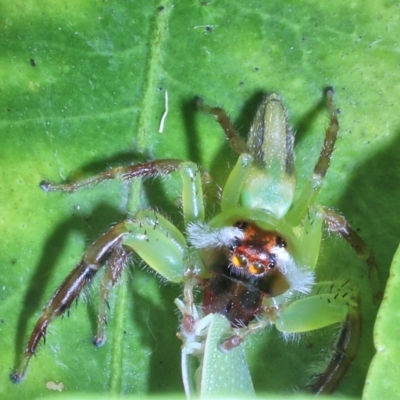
(157, 242)
(235, 183)
(310, 239)
(332, 302)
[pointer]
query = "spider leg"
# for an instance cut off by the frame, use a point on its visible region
(114, 268)
(331, 134)
(222, 118)
(338, 224)
(240, 334)
(331, 302)
(150, 235)
(192, 194)
(156, 241)
(312, 188)
(126, 173)
(337, 302)
(92, 261)
(345, 352)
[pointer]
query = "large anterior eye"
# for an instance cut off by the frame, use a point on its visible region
(239, 260)
(256, 268)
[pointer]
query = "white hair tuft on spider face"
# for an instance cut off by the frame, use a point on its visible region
(201, 236)
(300, 279)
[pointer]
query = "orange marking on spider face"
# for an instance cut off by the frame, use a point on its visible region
(256, 248)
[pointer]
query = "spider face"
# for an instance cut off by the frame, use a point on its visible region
(242, 276)
(255, 258)
(257, 253)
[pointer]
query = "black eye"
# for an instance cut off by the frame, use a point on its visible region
(241, 225)
(280, 242)
(272, 261)
(235, 243)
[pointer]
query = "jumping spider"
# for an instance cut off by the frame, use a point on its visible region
(255, 259)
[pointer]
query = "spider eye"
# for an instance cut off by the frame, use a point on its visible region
(239, 260)
(280, 242)
(256, 268)
(272, 261)
(241, 225)
(235, 243)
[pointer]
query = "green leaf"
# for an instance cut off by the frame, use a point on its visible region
(224, 374)
(384, 371)
(82, 88)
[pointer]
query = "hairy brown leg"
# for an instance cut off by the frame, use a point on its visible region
(348, 343)
(345, 352)
(93, 259)
(311, 190)
(331, 134)
(337, 223)
(222, 118)
(105, 248)
(125, 173)
(114, 268)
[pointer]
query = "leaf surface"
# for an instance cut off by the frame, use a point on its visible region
(82, 89)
